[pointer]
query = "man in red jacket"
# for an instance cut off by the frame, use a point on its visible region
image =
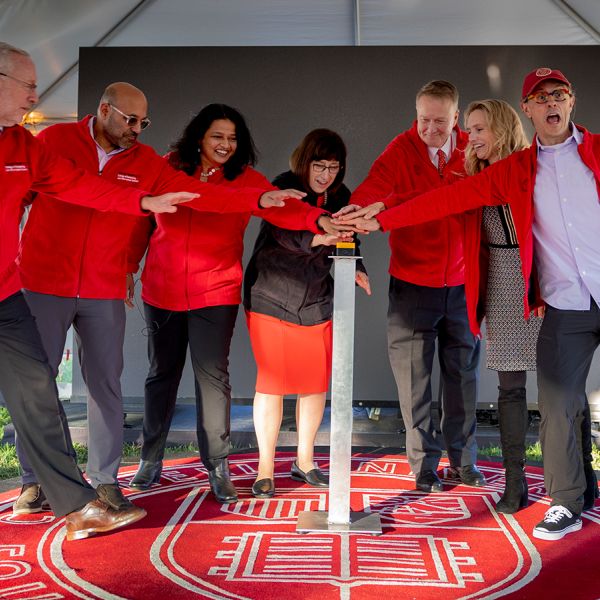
(26, 380)
(426, 296)
(553, 189)
(76, 265)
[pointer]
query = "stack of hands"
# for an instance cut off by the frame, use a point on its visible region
(358, 219)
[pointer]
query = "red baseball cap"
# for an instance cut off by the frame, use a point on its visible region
(533, 79)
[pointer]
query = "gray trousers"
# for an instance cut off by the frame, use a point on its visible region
(100, 329)
(32, 401)
(417, 317)
(566, 346)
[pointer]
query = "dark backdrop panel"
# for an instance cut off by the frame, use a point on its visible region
(365, 93)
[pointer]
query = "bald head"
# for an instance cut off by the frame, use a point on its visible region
(119, 101)
(122, 91)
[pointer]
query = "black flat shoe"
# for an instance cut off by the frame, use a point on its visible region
(314, 477)
(148, 473)
(427, 481)
(263, 488)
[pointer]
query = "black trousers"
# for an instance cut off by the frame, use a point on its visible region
(208, 331)
(417, 317)
(32, 400)
(566, 346)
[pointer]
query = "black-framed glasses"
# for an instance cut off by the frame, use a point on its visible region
(32, 87)
(541, 97)
(320, 168)
(131, 120)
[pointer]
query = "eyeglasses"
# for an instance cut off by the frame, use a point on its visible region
(131, 120)
(321, 168)
(559, 95)
(32, 87)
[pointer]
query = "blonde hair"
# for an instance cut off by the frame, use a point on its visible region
(506, 127)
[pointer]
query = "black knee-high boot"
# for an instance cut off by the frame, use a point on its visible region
(514, 420)
(591, 481)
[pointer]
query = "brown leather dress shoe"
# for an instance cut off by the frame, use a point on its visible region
(98, 517)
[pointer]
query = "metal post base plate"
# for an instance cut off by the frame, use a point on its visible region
(360, 522)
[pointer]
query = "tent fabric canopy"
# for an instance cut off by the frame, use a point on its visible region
(53, 30)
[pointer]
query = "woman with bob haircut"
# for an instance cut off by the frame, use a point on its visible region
(288, 296)
(192, 289)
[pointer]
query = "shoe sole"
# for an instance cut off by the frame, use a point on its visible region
(297, 478)
(264, 496)
(511, 510)
(429, 490)
(552, 536)
(86, 533)
(31, 511)
(142, 486)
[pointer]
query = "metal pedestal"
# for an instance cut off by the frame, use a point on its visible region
(339, 518)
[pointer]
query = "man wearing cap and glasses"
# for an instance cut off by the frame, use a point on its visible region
(553, 190)
(567, 256)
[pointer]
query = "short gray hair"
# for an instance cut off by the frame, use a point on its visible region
(6, 54)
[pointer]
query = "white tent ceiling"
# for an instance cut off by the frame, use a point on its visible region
(53, 30)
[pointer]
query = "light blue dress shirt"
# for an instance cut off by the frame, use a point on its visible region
(566, 226)
(103, 155)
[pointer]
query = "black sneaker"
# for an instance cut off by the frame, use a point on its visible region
(557, 522)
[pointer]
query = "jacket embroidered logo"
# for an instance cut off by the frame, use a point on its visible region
(128, 178)
(16, 168)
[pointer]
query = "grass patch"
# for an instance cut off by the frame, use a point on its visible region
(4, 420)
(533, 453)
(9, 464)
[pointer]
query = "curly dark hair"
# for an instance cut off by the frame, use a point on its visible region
(185, 154)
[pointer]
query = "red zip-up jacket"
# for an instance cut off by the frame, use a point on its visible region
(509, 181)
(27, 163)
(430, 255)
(195, 259)
(74, 251)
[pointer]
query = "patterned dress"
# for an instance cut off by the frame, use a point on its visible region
(511, 340)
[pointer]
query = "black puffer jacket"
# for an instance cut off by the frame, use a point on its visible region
(286, 278)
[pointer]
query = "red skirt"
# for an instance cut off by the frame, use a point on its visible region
(290, 359)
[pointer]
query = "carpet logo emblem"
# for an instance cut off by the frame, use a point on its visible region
(451, 543)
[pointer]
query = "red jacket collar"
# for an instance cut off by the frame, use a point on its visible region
(84, 129)
(462, 139)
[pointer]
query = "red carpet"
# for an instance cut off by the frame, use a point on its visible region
(449, 545)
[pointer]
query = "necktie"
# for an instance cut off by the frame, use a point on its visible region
(441, 162)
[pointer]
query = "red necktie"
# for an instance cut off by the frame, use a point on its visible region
(441, 162)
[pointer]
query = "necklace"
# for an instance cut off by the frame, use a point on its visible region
(205, 175)
(322, 200)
